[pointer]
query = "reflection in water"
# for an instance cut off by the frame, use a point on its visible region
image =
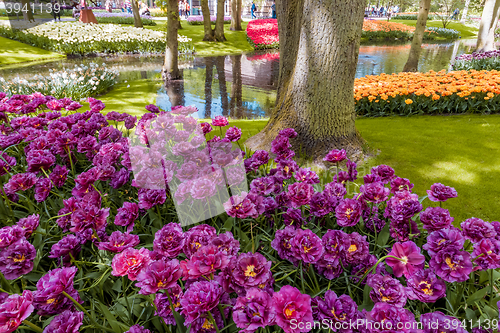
(234, 86)
(244, 86)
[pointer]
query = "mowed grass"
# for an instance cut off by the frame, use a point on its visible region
(236, 42)
(465, 31)
(12, 52)
(459, 151)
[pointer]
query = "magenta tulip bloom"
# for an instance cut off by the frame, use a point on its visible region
(66, 322)
(306, 246)
(200, 298)
(253, 311)
(251, 270)
(14, 309)
(130, 262)
(160, 274)
(436, 218)
(169, 240)
(17, 259)
(410, 259)
(204, 262)
(220, 121)
(293, 310)
(335, 155)
(425, 286)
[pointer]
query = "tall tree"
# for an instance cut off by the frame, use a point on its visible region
(464, 11)
(207, 24)
(489, 19)
(28, 14)
(137, 16)
(219, 22)
(236, 15)
(416, 44)
(319, 47)
(171, 65)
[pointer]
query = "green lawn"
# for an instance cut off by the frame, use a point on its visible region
(13, 52)
(236, 40)
(465, 31)
(459, 151)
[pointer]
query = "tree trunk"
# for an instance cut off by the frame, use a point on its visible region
(28, 15)
(209, 71)
(137, 16)
(207, 25)
(219, 22)
(221, 75)
(489, 19)
(171, 65)
(236, 103)
(464, 11)
(416, 44)
(235, 15)
(319, 47)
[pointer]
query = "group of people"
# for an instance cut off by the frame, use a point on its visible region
(382, 11)
(184, 8)
(253, 10)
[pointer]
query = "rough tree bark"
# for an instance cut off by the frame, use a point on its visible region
(236, 103)
(207, 25)
(171, 65)
(137, 16)
(416, 44)
(235, 15)
(219, 22)
(489, 19)
(221, 76)
(464, 11)
(27, 15)
(319, 47)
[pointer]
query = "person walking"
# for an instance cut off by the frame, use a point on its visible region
(273, 8)
(188, 10)
(253, 9)
(56, 9)
(455, 14)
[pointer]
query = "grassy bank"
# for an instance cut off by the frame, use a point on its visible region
(465, 31)
(236, 42)
(13, 52)
(459, 151)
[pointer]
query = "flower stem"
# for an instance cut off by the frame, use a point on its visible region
(213, 321)
(32, 326)
(79, 306)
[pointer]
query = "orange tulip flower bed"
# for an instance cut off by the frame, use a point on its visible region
(428, 93)
(378, 29)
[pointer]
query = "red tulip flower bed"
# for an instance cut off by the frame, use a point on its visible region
(263, 34)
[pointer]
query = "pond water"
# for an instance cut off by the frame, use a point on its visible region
(244, 86)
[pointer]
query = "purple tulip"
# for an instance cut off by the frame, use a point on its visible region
(66, 322)
(335, 156)
(169, 240)
(17, 259)
(253, 310)
(69, 246)
(436, 218)
(160, 274)
(487, 254)
(444, 239)
(425, 286)
(385, 317)
(358, 249)
(251, 270)
(348, 212)
(282, 244)
(387, 289)
(306, 246)
(200, 298)
(440, 192)
(452, 265)
(49, 298)
(475, 230)
(337, 309)
(118, 242)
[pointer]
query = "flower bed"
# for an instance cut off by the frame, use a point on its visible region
(84, 246)
(79, 82)
(263, 34)
(198, 19)
(428, 93)
(479, 61)
(80, 38)
(122, 18)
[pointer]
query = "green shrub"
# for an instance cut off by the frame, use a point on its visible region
(124, 20)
